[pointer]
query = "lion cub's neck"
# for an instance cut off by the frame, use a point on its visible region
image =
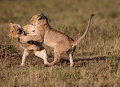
(46, 27)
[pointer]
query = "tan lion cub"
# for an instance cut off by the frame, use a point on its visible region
(17, 31)
(59, 41)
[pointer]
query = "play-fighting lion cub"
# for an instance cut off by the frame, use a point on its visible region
(16, 31)
(59, 41)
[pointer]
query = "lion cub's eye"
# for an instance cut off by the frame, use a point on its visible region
(33, 30)
(12, 31)
(33, 24)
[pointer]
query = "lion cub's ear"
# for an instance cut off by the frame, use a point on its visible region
(17, 26)
(11, 24)
(42, 16)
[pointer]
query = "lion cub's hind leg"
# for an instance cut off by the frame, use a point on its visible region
(69, 53)
(70, 56)
(57, 52)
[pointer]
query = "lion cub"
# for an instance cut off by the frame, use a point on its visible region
(53, 38)
(16, 31)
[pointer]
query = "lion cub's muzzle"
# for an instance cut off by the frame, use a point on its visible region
(19, 31)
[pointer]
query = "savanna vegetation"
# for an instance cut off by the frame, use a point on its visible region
(96, 58)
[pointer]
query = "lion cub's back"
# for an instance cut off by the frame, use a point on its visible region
(52, 37)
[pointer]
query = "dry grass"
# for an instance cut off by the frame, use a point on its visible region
(96, 58)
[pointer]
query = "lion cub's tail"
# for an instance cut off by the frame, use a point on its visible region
(88, 26)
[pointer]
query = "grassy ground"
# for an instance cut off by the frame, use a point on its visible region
(96, 57)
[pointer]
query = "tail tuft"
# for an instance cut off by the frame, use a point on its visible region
(92, 15)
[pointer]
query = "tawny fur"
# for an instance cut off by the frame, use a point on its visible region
(17, 31)
(53, 38)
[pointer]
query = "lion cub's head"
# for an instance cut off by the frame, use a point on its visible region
(39, 19)
(15, 30)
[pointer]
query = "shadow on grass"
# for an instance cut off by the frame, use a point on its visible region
(85, 59)
(79, 61)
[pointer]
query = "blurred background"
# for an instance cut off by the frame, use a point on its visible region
(70, 17)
